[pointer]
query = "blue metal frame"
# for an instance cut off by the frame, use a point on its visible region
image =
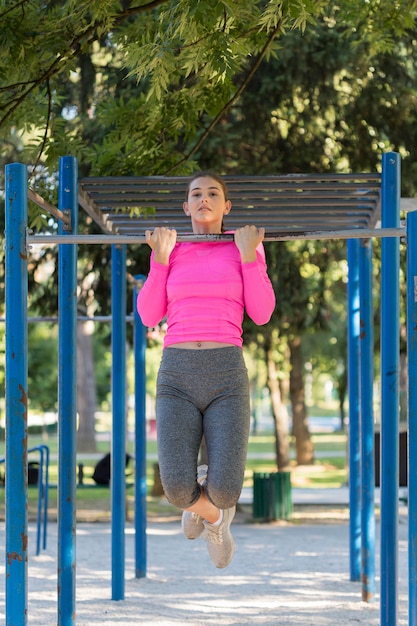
(67, 395)
(43, 486)
(140, 436)
(390, 370)
(353, 303)
(16, 404)
(367, 421)
(118, 442)
(412, 413)
(16, 376)
(45, 481)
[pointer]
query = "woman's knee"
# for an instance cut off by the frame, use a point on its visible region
(179, 494)
(223, 498)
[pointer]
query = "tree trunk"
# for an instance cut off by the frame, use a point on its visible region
(342, 391)
(86, 388)
(280, 414)
(303, 444)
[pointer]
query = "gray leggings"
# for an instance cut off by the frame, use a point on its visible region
(202, 392)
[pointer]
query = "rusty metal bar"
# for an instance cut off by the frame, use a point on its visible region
(44, 204)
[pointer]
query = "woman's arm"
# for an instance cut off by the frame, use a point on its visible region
(259, 297)
(152, 298)
(151, 302)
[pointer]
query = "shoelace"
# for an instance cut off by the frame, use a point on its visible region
(214, 534)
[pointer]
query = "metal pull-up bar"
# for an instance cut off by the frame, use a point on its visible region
(354, 233)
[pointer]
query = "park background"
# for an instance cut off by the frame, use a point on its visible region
(154, 88)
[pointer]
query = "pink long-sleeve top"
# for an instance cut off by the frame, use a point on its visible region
(203, 292)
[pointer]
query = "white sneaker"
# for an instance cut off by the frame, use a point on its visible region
(193, 524)
(220, 542)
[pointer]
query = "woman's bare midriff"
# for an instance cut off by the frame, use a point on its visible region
(200, 345)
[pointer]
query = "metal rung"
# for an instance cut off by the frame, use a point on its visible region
(359, 233)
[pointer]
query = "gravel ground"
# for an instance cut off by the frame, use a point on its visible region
(282, 574)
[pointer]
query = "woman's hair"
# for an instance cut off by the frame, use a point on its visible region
(208, 174)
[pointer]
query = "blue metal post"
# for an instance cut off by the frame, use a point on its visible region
(390, 350)
(118, 447)
(140, 436)
(412, 413)
(67, 396)
(45, 496)
(367, 421)
(354, 410)
(41, 451)
(16, 394)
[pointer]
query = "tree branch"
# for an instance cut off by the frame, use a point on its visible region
(45, 135)
(16, 6)
(140, 9)
(16, 85)
(230, 102)
(89, 35)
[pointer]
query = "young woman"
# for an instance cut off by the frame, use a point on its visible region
(203, 289)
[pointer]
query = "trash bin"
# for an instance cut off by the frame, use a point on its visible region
(272, 498)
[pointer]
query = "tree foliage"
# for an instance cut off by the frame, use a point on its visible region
(135, 87)
(125, 86)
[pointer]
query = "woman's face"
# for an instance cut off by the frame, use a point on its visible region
(206, 205)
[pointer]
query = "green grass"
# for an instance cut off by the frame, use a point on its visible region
(324, 409)
(329, 470)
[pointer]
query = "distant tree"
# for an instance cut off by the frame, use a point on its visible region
(42, 371)
(328, 103)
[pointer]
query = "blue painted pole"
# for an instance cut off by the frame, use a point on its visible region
(390, 369)
(412, 414)
(140, 437)
(67, 396)
(118, 447)
(40, 498)
(45, 496)
(16, 389)
(367, 421)
(353, 303)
